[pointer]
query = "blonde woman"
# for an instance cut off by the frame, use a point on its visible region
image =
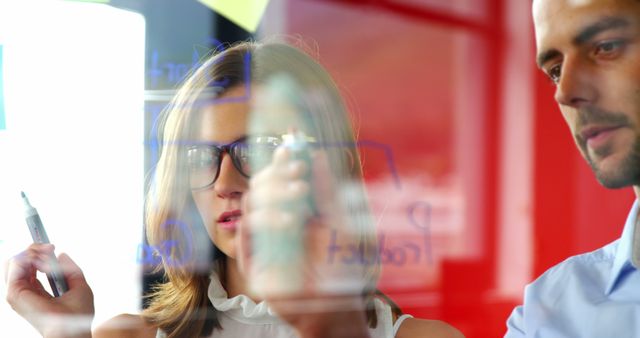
(212, 182)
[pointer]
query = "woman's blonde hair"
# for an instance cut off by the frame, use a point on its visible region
(180, 306)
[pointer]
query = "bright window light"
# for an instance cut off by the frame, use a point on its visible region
(73, 141)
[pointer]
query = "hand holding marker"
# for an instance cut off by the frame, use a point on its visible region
(279, 252)
(39, 235)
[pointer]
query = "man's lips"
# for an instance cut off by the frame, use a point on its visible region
(229, 219)
(595, 136)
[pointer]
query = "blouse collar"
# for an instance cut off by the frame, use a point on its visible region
(241, 307)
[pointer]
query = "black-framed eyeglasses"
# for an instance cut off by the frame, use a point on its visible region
(248, 155)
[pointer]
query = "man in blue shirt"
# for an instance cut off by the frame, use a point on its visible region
(590, 49)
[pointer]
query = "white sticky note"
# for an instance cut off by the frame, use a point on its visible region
(244, 13)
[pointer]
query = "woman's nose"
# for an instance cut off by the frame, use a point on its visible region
(230, 183)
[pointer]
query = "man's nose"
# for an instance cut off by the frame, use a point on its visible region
(577, 85)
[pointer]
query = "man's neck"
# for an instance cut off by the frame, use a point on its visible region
(636, 189)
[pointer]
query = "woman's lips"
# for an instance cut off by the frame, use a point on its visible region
(228, 220)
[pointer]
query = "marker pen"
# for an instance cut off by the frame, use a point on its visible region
(278, 266)
(39, 235)
(278, 253)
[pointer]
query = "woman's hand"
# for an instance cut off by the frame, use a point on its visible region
(313, 291)
(69, 315)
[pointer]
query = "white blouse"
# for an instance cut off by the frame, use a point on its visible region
(242, 317)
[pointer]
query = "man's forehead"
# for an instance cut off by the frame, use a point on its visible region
(576, 4)
(554, 19)
(546, 11)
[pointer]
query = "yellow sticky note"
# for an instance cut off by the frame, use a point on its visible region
(244, 13)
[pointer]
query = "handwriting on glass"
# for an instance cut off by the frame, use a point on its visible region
(168, 250)
(416, 250)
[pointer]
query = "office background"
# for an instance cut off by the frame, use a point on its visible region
(474, 180)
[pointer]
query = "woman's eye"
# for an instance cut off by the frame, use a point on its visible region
(200, 158)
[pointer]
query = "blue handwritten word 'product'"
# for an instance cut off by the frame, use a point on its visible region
(39, 235)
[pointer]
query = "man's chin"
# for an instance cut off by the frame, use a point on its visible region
(613, 182)
(618, 175)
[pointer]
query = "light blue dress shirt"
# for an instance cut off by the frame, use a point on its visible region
(596, 294)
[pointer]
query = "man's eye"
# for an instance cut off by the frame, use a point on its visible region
(608, 48)
(554, 73)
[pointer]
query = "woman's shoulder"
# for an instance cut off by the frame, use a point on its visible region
(415, 327)
(125, 326)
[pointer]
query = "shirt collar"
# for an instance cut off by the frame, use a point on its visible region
(625, 248)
